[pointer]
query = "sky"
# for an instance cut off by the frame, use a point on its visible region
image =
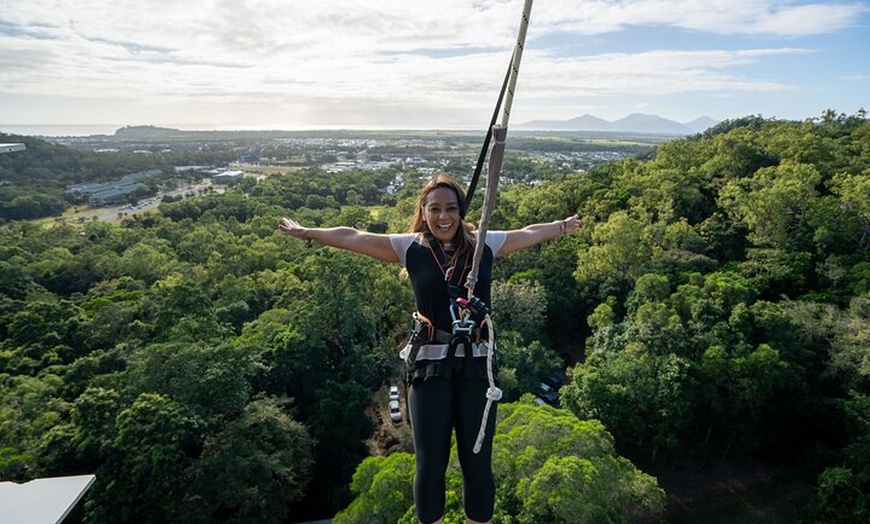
(436, 64)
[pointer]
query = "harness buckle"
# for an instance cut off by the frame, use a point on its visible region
(419, 325)
(462, 323)
(463, 327)
(475, 305)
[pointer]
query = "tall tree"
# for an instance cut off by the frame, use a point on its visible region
(252, 470)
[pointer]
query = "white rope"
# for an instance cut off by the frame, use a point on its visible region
(493, 393)
(499, 132)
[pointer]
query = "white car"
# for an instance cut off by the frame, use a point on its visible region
(395, 412)
(394, 393)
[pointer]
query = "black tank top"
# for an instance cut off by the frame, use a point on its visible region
(431, 288)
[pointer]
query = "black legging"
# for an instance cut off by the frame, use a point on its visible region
(437, 405)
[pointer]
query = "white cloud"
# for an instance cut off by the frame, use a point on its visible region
(780, 18)
(302, 57)
(651, 73)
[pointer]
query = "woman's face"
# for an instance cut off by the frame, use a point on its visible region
(441, 212)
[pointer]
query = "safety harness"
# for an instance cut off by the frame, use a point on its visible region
(431, 352)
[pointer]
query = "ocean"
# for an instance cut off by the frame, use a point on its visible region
(60, 130)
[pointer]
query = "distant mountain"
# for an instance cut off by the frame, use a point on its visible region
(633, 123)
(702, 124)
(640, 123)
(592, 123)
(144, 131)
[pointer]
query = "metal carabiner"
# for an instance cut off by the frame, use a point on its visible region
(462, 323)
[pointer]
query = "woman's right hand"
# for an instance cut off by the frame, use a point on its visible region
(374, 245)
(292, 228)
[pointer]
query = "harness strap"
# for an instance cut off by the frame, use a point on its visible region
(441, 336)
(424, 334)
(433, 352)
(437, 250)
(468, 369)
(450, 361)
(450, 266)
(440, 351)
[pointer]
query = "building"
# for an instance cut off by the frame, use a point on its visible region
(191, 169)
(110, 192)
(113, 195)
(225, 177)
(249, 157)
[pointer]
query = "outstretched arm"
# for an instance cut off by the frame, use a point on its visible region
(536, 233)
(371, 244)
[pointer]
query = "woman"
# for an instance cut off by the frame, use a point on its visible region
(446, 390)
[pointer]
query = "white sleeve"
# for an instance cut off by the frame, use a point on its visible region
(495, 239)
(401, 243)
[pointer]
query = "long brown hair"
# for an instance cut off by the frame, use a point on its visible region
(464, 239)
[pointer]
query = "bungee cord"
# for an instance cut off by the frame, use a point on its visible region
(499, 133)
(478, 167)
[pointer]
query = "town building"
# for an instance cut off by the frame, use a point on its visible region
(106, 193)
(226, 177)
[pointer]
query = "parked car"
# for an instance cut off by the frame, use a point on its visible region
(395, 412)
(547, 393)
(554, 381)
(394, 393)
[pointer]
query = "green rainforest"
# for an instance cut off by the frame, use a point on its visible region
(709, 325)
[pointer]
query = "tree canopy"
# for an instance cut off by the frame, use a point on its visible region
(714, 302)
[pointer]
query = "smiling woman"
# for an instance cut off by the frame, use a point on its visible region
(446, 360)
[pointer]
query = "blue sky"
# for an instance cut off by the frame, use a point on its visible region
(295, 64)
